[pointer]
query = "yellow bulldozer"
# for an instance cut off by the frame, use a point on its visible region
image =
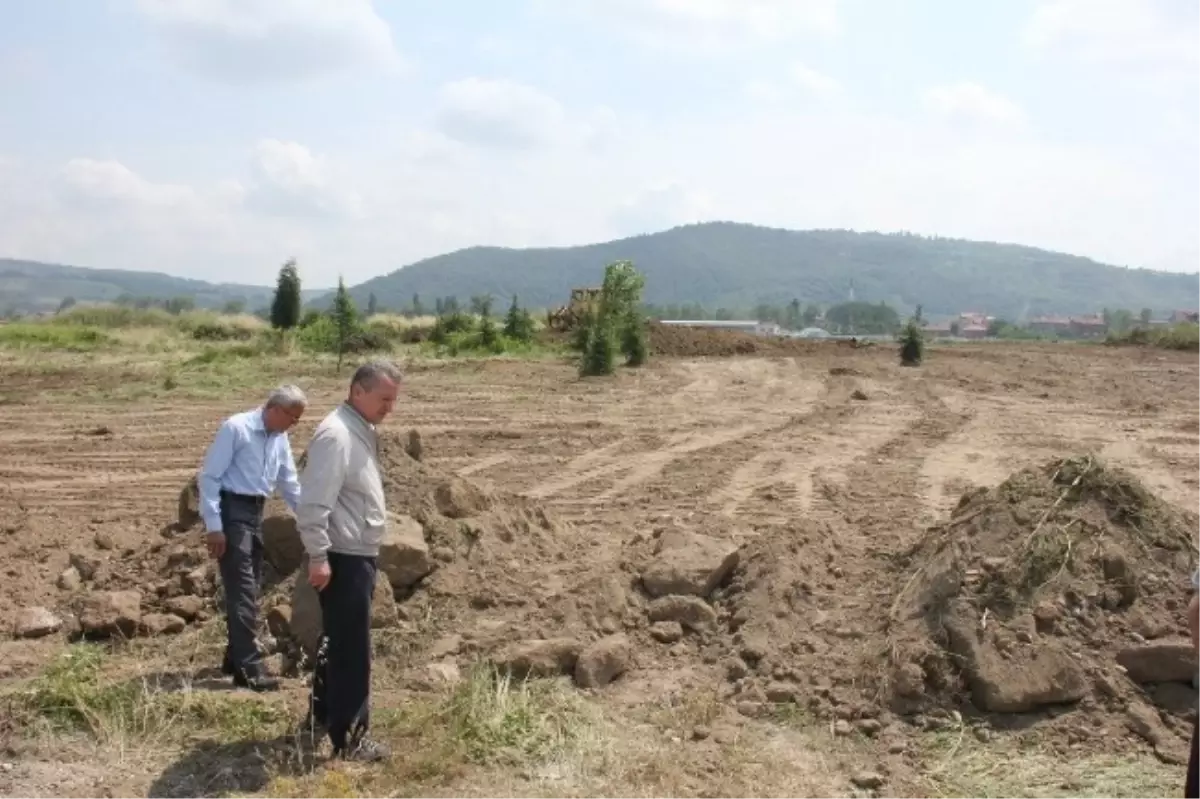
(567, 317)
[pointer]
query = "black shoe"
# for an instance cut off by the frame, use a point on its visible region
(259, 683)
(366, 750)
(227, 666)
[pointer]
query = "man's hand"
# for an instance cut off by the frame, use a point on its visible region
(319, 575)
(216, 544)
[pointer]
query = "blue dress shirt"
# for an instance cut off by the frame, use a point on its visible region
(246, 459)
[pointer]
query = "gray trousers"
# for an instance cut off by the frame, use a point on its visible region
(241, 573)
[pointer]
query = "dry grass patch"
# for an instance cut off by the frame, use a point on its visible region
(957, 763)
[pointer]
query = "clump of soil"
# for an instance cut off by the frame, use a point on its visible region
(1065, 585)
(689, 342)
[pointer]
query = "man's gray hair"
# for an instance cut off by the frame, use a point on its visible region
(369, 373)
(287, 396)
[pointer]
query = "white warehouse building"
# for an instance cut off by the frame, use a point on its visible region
(744, 325)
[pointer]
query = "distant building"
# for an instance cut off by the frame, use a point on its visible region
(1086, 326)
(744, 325)
(1185, 316)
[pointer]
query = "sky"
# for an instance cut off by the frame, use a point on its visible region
(217, 138)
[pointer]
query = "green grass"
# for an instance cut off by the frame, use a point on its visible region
(78, 694)
(50, 336)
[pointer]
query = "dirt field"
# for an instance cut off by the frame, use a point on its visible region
(831, 461)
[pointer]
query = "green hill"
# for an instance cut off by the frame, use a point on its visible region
(739, 266)
(32, 286)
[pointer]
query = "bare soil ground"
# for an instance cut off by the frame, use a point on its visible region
(823, 467)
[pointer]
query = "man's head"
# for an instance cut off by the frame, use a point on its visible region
(373, 389)
(285, 405)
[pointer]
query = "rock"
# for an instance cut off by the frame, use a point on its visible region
(896, 747)
(859, 395)
(691, 612)
(602, 662)
(538, 657)
(1168, 660)
(754, 649)
(1144, 721)
(689, 564)
(414, 447)
(103, 540)
(445, 672)
(162, 624)
(443, 554)
(459, 499)
(86, 565)
(305, 625)
(666, 632)
(110, 613)
(282, 547)
(186, 607)
(909, 681)
(404, 555)
(35, 622)
(198, 581)
(867, 780)
(70, 579)
(782, 692)
(735, 669)
(1046, 616)
(1019, 681)
(383, 604)
(841, 727)
(869, 727)
(445, 646)
(749, 708)
(700, 733)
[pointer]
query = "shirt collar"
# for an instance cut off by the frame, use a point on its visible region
(256, 420)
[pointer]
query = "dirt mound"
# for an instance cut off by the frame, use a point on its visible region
(1065, 585)
(690, 342)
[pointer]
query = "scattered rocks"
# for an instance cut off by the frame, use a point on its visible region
(198, 581)
(867, 780)
(602, 662)
(459, 499)
(282, 547)
(666, 632)
(539, 657)
(1168, 660)
(909, 681)
(70, 579)
(86, 565)
(782, 692)
(162, 624)
(1013, 682)
(842, 728)
(404, 555)
(110, 613)
(691, 612)
(869, 727)
(187, 607)
(103, 540)
(689, 564)
(35, 622)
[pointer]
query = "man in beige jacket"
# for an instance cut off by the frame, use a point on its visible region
(341, 519)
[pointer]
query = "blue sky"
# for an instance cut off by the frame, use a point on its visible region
(220, 137)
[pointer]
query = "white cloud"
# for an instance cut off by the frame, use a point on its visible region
(970, 102)
(714, 25)
(498, 113)
(1160, 35)
(111, 183)
(814, 82)
(289, 180)
(272, 40)
(659, 207)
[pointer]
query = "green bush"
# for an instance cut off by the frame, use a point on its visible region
(115, 316)
(1184, 336)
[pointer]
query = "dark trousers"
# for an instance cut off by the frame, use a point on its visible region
(241, 571)
(1192, 788)
(341, 685)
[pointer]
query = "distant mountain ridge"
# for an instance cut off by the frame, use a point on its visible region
(715, 264)
(34, 286)
(733, 265)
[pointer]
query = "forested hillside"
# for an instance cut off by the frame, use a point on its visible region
(740, 266)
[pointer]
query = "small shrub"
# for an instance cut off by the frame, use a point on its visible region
(633, 341)
(1184, 336)
(600, 355)
(518, 324)
(912, 344)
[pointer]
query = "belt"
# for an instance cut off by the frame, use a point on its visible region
(253, 499)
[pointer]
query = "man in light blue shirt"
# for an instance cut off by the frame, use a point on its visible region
(248, 459)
